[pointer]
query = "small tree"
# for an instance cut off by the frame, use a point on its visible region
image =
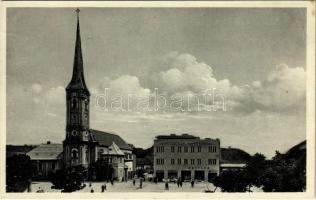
(19, 171)
(69, 179)
(254, 168)
(283, 175)
(232, 181)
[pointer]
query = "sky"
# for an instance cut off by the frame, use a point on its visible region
(253, 58)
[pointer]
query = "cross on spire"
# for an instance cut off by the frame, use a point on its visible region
(78, 11)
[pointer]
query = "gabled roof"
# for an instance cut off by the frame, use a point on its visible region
(46, 152)
(106, 139)
(114, 150)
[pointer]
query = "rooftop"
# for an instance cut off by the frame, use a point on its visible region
(174, 136)
(182, 136)
(46, 152)
(114, 150)
(106, 139)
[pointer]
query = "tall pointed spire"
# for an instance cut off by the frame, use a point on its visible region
(77, 82)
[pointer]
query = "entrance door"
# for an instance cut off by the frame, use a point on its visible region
(199, 175)
(159, 175)
(172, 174)
(185, 175)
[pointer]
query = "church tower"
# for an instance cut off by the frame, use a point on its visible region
(76, 145)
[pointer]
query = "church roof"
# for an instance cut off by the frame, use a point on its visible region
(77, 81)
(46, 152)
(106, 139)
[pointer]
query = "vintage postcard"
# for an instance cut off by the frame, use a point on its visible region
(156, 100)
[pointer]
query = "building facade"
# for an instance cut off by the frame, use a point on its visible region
(82, 145)
(186, 157)
(47, 158)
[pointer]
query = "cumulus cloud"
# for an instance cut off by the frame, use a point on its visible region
(284, 88)
(190, 85)
(122, 93)
(186, 75)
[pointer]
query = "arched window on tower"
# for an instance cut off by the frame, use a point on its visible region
(86, 105)
(74, 103)
(74, 153)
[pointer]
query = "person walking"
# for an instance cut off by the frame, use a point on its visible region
(102, 188)
(192, 183)
(178, 182)
(141, 182)
(29, 182)
(181, 182)
(134, 181)
(166, 186)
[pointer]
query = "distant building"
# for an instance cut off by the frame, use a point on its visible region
(47, 158)
(186, 156)
(232, 166)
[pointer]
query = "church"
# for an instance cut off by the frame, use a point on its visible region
(83, 145)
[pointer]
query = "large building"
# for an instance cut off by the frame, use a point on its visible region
(187, 157)
(83, 145)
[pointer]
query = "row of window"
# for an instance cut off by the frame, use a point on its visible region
(41, 167)
(160, 149)
(160, 161)
(185, 149)
(74, 104)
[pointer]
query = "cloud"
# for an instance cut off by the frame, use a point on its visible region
(186, 75)
(189, 85)
(283, 89)
(55, 95)
(122, 93)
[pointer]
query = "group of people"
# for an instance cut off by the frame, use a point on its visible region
(103, 186)
(141, 179)
(179, 182)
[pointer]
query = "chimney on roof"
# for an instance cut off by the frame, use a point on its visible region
(48, 142)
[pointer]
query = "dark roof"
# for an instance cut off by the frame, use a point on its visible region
(174, 136)
(46, 152)
(106, 139)
(77, 82)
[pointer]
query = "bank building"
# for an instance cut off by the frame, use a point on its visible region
(187, 157)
